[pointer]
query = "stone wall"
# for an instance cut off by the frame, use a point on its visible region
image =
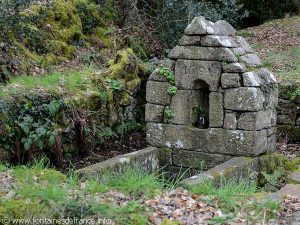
(211, 62)
(288, 114)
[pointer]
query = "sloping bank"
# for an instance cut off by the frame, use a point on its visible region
(70, 113)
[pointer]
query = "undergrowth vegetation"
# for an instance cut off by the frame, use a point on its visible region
(238, 199)
(37, 191)
(36, 35)
(41, 192)
(69, 113)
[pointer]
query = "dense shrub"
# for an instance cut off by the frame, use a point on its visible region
(32, 122)
(172, 16)
(261, 11)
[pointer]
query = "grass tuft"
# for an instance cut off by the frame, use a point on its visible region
(69, 80)
(229, 193)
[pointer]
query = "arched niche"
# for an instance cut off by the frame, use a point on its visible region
(202, 110)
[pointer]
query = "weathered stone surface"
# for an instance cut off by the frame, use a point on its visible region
(267, 76)
(271, 97)
(158, 93)
(165, 62)
(216, 115)
(291, 190)
(156, 76)
(183, 106)
(244, 99)
(273, 116)
(212, 140)
(190, 40)
(251, 79)
(218, 41)
(199, 26)
(146, 159)
(230, 80)
(251, 60)
(271, 131)
(242, 43)
(198, 160)
(233, 169)
(272, 143)
(237, 142)
(256, 120)
(176, 136)
(294, 178)
(222, 27)
(230, 121)
(234, 68)
(239, 51)
(202, 53)
(154, 113)
(189, 71)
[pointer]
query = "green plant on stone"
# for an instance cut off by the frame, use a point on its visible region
(115, 85)
(295, 94)
(172, 90)
(201, 110)
(169, 115)
(271, 182)
(168, 74)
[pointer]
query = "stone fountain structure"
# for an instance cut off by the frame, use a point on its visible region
(218, 73)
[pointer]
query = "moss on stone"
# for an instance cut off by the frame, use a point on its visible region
(125, 66)
(126, 99)
(133, 85)
(294, 164)
(271, 162)
(61, 27)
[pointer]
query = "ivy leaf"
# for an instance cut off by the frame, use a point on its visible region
(27, 145)
(25, 128)
(52, 140)
(40, 144)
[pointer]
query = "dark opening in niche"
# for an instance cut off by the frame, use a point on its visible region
(203, 104)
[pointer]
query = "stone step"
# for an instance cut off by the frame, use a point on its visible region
(294, 178)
